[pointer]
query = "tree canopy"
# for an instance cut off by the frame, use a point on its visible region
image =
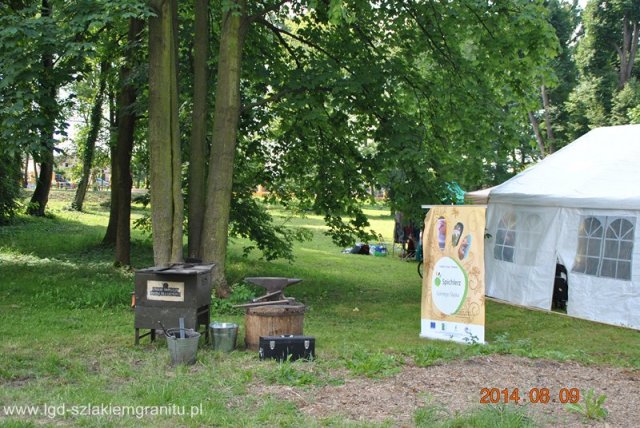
(321, 102)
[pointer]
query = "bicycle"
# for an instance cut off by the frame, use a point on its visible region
(420, 257)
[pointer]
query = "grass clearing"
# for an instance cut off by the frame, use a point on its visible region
(68, 330)
(486, 417)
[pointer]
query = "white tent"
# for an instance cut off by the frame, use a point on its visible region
(478, 197)
(579, 207)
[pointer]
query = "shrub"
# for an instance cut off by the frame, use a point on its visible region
(9, 187)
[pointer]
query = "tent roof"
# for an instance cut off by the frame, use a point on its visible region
(479, 197)
(601, 169)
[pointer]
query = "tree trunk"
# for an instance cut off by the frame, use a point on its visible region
(40, 195)
(547, 119)
(635, 35)
(110, 234)
(622, 53)
(126, 119)
(92, 137)
(35, 169)
(225, 129)
(627, 53)
(164, 136)
(26, 171)
(199, 128)
(536, 130)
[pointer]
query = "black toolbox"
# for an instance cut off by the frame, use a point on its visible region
(287, 347)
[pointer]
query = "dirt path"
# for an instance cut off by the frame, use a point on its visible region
(456, 386)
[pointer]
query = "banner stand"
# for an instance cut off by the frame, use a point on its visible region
(453, 305)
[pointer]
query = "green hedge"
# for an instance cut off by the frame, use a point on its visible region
(10, 176)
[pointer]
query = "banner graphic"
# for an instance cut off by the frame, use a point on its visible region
(453, 282)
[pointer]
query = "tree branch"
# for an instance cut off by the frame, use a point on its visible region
(289, 49)
(536, 130)
(280, 95)
(473, 11)
(266, 10)
(547, 117)
(302, 40)
(403, 76)
(434, 45)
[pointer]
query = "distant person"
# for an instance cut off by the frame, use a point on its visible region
(410, 248)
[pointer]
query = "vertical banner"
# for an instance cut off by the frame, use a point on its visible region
(453, 281)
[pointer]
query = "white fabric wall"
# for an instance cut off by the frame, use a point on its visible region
(529, 280)
(607, 300)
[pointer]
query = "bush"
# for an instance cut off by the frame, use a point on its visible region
(9, 187)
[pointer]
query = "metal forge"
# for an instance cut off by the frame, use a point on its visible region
(166, 294)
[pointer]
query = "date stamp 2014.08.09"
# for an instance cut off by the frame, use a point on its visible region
(532, 395)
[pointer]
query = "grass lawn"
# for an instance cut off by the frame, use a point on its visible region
(68, 330)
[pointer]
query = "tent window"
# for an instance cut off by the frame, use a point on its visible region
(589, 246)
(605, 251)
(618, 248)
(529, 239)
(505, 247)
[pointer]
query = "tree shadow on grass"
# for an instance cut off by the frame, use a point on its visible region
(61, 261)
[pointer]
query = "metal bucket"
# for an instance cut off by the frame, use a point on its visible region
(183, 351)
(224, 336)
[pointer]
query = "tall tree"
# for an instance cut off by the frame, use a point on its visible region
(605, 56)
(164, 135)
(89, 148)
(225, 128)
(318, 100)
(336, 95)
(44, 46)
(49, 109)
(198, 149)
(552, 135)
(126, 120)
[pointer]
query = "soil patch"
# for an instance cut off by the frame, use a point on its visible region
(456, 387)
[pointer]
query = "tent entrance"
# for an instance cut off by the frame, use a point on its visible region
(560, 289)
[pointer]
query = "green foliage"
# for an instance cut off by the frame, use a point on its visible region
(250, 219)
(240, 293)
(586, 108)
(143, 223)
(592, 406)
(428, 356)
(429, 415)
(296, 373)
(624, 102)
(603, 96)
(10, 185)
(373, 364)
(502, 345)
(484, 417)
(70, 34)
(634, 114)
(350, 95)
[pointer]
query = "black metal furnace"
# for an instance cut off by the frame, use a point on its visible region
(166, 294)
